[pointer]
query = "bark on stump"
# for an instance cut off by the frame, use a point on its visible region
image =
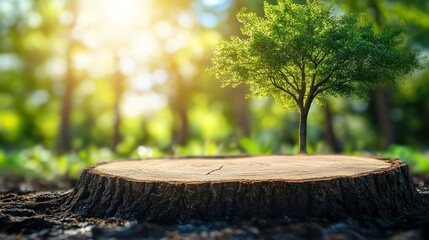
(232, 188)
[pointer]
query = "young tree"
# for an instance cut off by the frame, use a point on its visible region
(300, 53)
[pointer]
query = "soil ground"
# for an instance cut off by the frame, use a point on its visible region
(31, 214)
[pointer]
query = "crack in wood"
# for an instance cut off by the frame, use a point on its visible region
(217, 169)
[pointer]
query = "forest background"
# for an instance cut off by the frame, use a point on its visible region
(89, 81)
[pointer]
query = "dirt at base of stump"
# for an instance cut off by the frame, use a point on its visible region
(33, 215)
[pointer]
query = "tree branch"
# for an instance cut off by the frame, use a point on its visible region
(329, 87)
(293, 77)
(317, 55)
(318, 62)
(312, 90)
(303, 84)
(323, 58)
(336, 68)
(273, 81)
(288, 82)
(313, 80)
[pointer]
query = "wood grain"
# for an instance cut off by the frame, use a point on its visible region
(259, 168)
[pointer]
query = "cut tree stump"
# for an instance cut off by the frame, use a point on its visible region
(232, 188)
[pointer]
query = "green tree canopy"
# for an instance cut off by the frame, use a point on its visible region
(299, 53)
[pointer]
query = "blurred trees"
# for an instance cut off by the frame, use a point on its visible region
(169, 102)
(386, 107)
(31, 65)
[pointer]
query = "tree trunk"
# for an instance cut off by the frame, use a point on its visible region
(381, 101)
(66, 106)
(180, 105)
(233, 188)
(241, 110)
(384, 121)
(329, 130)
(240, 103)
(118, 92)
(303, 131)
(63, 140)
(181, 133)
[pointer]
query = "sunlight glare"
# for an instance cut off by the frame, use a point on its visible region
(38, 97)
(145, 47)
(143, 104)
(9, 61)
(211, 3)
(180, 41)
(184, 20)
(142, 83)
(160, 76)
(143, 151)
(66, 18)
(127, 65)
(219, 5)
(121, 12)
(164, 30)
(209, 20)
(82, 60)
(115, 21)
(56, 68)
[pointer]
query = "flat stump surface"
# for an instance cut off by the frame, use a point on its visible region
(234, 188)
(259, 168)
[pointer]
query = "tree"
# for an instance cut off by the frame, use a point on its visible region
(300, 53)
(63, 140)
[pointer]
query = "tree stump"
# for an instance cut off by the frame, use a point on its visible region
(232, 188)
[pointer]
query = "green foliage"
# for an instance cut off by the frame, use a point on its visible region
(33, 56)
(255, 146)
(296, 53)
(418, 162)
(197, 148)
(39, 162)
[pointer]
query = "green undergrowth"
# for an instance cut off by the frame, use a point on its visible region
(419, 162)
(38, 162)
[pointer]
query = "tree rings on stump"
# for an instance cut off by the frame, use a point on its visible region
(231, 188)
